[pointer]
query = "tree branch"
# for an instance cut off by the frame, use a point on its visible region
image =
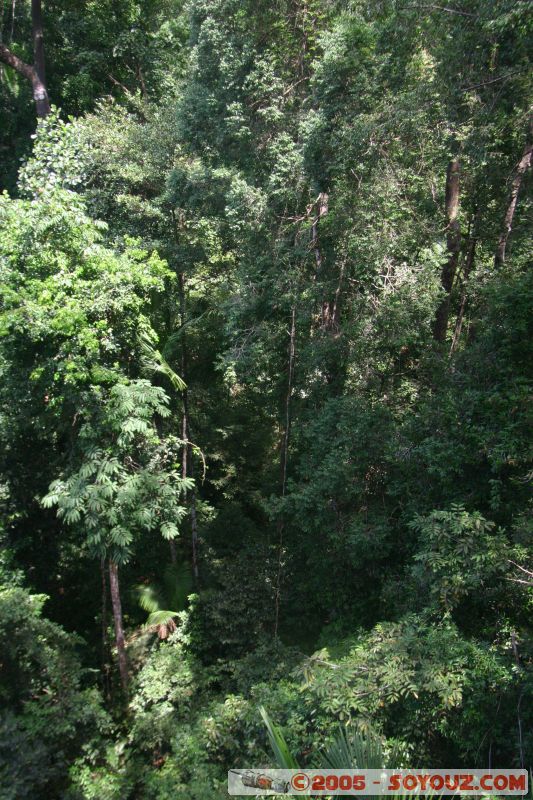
(492, 80)
(440, 8)
(33, 73)
(523, 569)
(9, 58)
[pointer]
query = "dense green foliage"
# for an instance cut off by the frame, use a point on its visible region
(266, 365)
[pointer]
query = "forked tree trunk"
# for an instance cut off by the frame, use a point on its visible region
(35, 73)
(119, 629)
(453, 243)
(521, 169)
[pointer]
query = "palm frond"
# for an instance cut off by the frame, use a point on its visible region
(354, 751)
(174, 339)
(349, 750)
(280, 748)
(177, 584)
(149, 598)
(153, 361)
(161, 617)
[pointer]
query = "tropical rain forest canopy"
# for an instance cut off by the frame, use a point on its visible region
(266, 367)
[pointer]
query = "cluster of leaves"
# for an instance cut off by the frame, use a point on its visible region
(47, 710)
(128, 481)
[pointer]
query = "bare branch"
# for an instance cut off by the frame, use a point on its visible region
(492, 80)
(440, 8)
(9, 58)
(522, 569)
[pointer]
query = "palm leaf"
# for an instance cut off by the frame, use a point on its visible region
(174, 591)
(282, 754)
(149, 598)
(153, 361)
(354, 751)
(161, 617)
(347, 751)
(177, 584)
(172, 342)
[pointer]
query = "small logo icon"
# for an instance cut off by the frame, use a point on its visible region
(300, 782)
(262, 781)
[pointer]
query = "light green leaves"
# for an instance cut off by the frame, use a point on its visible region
(169, 530)
(125, 483)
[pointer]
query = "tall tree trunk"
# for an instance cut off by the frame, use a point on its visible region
(284, 459)
(105, 665)
(329, 309)
(192, 503)
(34, 74)
(335, 311)
(290, 375)
(173, 552)
(186, 454)
(194, 534)
(119, 629)
(185, 398)
(453, 243)
(40, 93)
(468, 266)
(322, 205)
(521, 169)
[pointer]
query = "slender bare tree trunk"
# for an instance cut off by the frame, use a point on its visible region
(40, 93)
(35, 73)
(322, 205)
(187, 471)
(521, 169)
(105, 670)
(284, 458)
(468, 266)
(119, 629)
(290, 376)
(185, 398)
(335, 311)
(453, 243)
(194, 528)
(192, 505)
(186, 455)
(327, 308)
(173, 552)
